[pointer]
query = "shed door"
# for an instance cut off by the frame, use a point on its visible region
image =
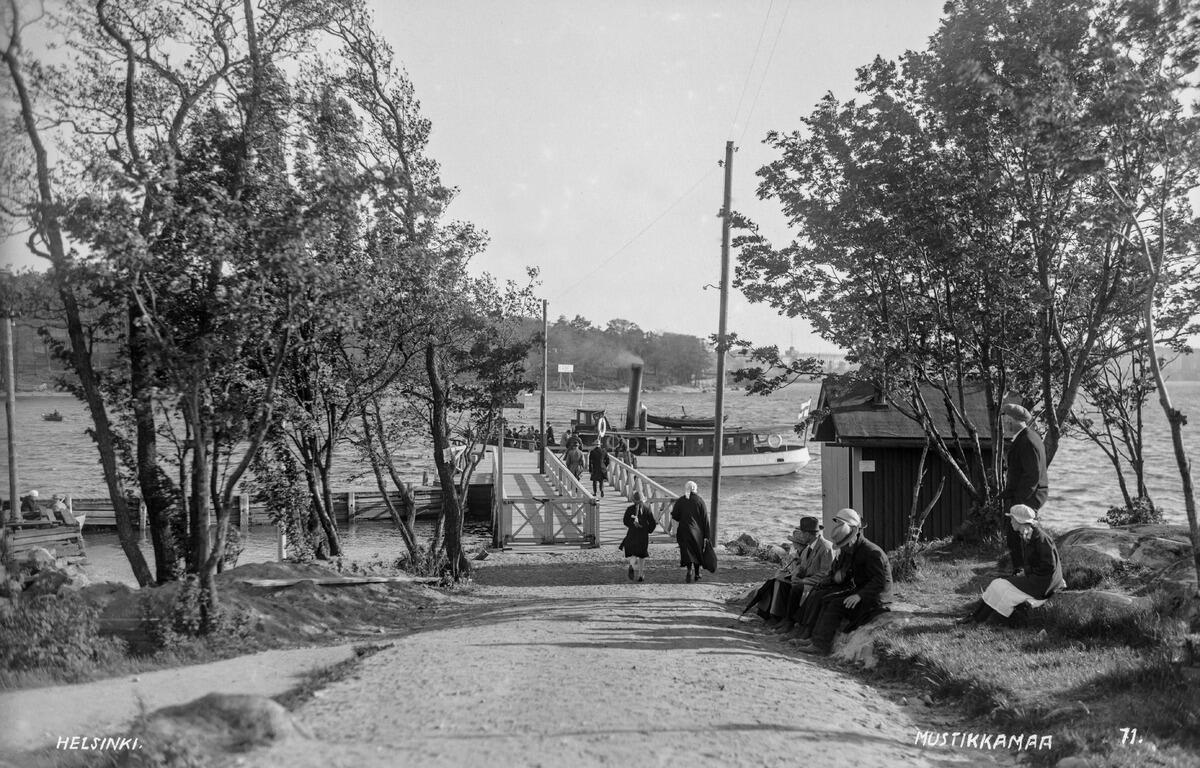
(835, 481)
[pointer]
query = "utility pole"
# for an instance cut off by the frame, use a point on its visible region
(719, 431)
(542, 413)
(10, 411)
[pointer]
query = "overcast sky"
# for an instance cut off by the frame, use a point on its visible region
(585, 136)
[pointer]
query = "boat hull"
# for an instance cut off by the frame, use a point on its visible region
(765, 464)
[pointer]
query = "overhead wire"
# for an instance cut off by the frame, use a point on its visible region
(640, 232)
(778, 33)
(750, 70)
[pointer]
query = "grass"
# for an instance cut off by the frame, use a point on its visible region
(1080, 674)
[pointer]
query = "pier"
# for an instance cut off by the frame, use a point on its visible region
(534, 509)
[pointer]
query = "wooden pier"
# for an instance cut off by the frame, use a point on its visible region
(532, 509)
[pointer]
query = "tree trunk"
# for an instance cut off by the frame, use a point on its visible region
(451, 503)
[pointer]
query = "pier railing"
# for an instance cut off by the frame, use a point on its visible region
(658, 497)
(571, 518)
(584, 504)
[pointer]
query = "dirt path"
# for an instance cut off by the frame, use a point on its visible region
(550, 659)
(596, 671)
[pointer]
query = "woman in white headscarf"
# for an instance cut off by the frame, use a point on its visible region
(691, 530)
(1042, 573)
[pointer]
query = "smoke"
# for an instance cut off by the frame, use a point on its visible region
(625, 357)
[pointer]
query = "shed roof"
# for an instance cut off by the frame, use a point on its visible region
(858, 412)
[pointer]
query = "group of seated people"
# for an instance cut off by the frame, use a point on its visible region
(823, 581)
(33, 512)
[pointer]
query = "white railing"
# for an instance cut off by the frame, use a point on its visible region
(501, 511)
(658, 497)
(581, 513)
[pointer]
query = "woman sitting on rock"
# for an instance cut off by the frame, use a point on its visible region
(1042, 575)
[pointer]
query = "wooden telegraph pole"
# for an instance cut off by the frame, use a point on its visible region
(10, 410)
(542, 412)
(719, 432)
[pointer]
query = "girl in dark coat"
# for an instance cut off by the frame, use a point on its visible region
(1042, 575)
(691, 530)
(636, 544)
(598, 467)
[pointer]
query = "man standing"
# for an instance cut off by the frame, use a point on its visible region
(1026, 481)
(862, 585)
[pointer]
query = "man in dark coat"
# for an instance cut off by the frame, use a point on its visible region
(598, 467)
(691, 530)
(1026, 482)
(863, 578)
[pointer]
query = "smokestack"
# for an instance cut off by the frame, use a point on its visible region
(635, 396)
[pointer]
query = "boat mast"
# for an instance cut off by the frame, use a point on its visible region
(719, 433)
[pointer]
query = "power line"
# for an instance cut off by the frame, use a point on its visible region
(766, 69)
(750, 69)
(641, 232)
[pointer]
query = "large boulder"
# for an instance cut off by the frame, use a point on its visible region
(774, 553)
(217, 724)
(1177, 580)
(39, 558)
(1152, 547)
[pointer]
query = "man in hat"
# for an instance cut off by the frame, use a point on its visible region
(812, 566)
(1026, 481)
(862, 585)
(807, 566)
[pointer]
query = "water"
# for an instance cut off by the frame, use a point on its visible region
(58, 457)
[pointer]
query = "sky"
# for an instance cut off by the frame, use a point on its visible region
(585, 137)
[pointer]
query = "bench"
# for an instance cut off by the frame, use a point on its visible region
(64, 539)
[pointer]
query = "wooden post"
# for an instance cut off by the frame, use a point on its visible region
(542, 414)
(244, 511)
(498, 492)
(719, 435)
(281, 540)
(10, 410)
(351, 507)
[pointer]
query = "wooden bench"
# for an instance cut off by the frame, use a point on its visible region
(64, 539)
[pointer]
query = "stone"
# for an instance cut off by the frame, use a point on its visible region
(40, 558)
(46, 583)
(774, 554)
(746, 540)
(859, 646)
(1177, 580)
(219, 722)
(1151, 546)
(1095, 600)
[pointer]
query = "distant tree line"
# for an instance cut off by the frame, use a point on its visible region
(602, 356)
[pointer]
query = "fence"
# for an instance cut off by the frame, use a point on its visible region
(659, 498)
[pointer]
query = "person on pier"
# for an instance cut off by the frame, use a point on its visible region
(598, 462)
(691, 530)
(636, 544)
(575, 460)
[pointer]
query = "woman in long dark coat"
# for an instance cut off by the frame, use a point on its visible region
(1042, 575)
(691, 530)
(636, 544)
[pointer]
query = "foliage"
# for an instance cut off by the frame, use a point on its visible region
(188, 617)
(602, 356)
(1141, 511)
(59, 633)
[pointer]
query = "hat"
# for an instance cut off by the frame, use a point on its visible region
(848, 516)
(1018, 412)
(810, 525)
(34, 493)
(690, 487)
(1022, 514)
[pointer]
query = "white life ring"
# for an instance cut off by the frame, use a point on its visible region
(632, 444)
(602, 426)
(775, 441)
(611, 442)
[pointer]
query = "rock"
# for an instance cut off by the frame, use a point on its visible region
(1152, 546)
(40, 558)
(219, 722)
(1097, 600)
(77, 578)
(46, 582)
(1177, 581)
(746, 540)
(774, 553)
(859, 646)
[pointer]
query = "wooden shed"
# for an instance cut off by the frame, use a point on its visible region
(869, 457)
